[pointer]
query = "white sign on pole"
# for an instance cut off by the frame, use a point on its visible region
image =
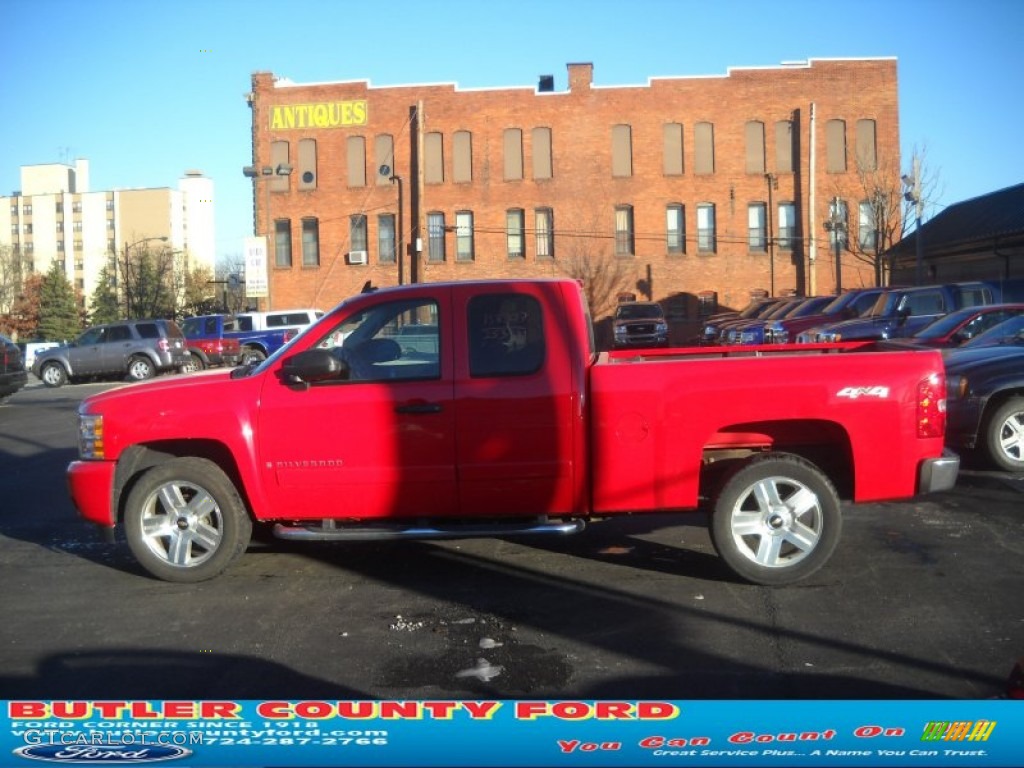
(256, 267)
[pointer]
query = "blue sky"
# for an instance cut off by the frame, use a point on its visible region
(147, 90)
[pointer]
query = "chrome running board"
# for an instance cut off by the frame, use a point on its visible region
(330, 530)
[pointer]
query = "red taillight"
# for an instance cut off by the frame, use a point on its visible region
(163, 344)
(931, 406)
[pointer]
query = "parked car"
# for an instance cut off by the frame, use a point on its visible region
(209, 342)
(639, 324)
(846, 306)
(261, 334)
(901, 312)
(963, 325)
(713, 325)
(755, 331)
(985, 396)
(12, 370)
(138, 349)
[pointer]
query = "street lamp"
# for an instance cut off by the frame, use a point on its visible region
(128, 269)
(266, 174)
(385, 170)
(835, 225)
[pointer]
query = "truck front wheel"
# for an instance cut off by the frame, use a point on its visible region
(776, 520)
(185, 521)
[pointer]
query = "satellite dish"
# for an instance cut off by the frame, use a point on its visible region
(385, 170)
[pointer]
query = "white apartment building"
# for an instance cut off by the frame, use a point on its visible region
(55, 217)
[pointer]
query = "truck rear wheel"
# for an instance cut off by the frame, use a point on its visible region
(185, 521)
(776, 520)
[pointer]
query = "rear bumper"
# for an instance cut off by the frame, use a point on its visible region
(91, 484)
(938, 474)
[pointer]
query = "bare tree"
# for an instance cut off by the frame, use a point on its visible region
(584, 255)
(885, 209)
(146, 279)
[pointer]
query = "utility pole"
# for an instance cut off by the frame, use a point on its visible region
(913, 195)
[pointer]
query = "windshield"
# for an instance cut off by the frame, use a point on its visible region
(638, 312)
(1005, 332)
(884, 306)
(945, 324)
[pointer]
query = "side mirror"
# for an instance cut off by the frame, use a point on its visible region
(313, 365)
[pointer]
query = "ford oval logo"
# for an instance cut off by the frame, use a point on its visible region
(57, 753)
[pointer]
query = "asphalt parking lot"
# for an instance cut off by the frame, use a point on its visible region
(921, 600)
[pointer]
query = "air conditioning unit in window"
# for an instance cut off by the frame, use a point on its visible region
(357, 257)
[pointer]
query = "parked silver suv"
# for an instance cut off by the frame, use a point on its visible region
(136, 349)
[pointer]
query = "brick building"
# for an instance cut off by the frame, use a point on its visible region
(686, 186)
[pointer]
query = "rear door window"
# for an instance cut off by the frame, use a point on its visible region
(506, 335)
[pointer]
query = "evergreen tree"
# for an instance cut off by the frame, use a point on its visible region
(58, 307)
(104, 307)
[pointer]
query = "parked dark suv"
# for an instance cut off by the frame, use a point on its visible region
(639, 324)
(12, 370)
(136, 349)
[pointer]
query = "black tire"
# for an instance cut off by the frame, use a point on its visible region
(185, 521)
(251, 356)
(140, 368)
(197, 362)
(53, 375)
(1004, 435)
(776, 520)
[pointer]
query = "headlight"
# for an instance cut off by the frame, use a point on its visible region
(661, 328)
(90, 437)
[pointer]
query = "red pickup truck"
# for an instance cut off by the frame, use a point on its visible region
(482, 408)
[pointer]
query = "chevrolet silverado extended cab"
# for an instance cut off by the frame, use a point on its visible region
(504, 420)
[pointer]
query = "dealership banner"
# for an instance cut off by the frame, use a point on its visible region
(276, 734)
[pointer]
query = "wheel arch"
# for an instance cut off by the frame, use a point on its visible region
(135, 460)
(825, 444)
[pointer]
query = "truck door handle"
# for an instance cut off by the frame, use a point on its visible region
(419, 408)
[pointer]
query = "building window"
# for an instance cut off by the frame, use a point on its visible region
(464, 236)
(675, 228)
(462, 157)
(110, 205)
(784, 150)
(867, 156)
(622, 151)
(706, 227)
(110, 225)
(78, 245)
(512, 146)
(60, 245)
(279, 155)
(757, 227)
(27, 209)
(837, 211)
(28, 227)
(75, 225)
(544, 220)
(704, 148)
(540, 139)
(515, 235)
(355, 149)
(386, 238)
(433, 161)
(435, 237)
(787, 226)
(754, 140)
(307, 163)
(357, 236)
(624, 242)
(867, 230)
(76, 207)
(311, 243)
(282, 243)
(835, 146)
(384, 154)
(672, 149)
